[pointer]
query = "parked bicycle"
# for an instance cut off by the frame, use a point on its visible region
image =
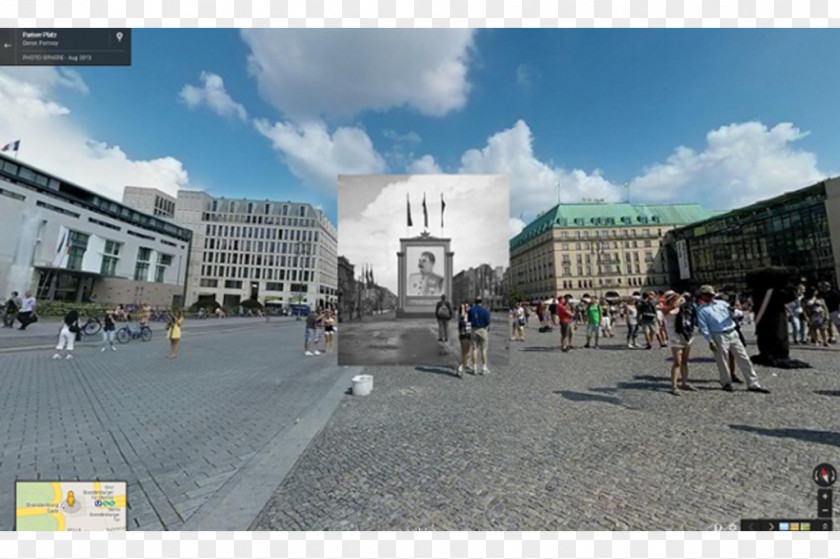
(128, 333)
(92, 326)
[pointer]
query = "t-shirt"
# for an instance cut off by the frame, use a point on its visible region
(647, 310)
(311, 320)
(632, 315)
(479, 317)
(28, 305)
(564, 314)
(594, 312)
(71, 318)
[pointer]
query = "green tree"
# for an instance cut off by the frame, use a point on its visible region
(516, 295)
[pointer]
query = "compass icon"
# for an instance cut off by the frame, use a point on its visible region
(825, 475)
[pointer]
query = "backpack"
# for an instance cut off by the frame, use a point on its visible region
(444, 311)
(686, 320)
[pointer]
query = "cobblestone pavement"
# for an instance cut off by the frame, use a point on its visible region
(175, 430)
(387, 340)
(588, 440)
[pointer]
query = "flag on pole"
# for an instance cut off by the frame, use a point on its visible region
(12, 146)
(425, 213)
(408, 209)
(442, 207)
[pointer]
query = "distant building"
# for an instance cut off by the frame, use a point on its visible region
(799, 229)
(277, 252)
(150, 200)
(483, 280)
(347, 298)
(600, 249)
(65, 242)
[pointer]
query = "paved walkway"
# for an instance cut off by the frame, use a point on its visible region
(202, 440)
(386, 340)
(589, 440)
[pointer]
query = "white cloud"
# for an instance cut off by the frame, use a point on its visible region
(523, 76)
(426, 165)
(740, 164)
(533, 183)
(407, 138)
(51, 140)
(333, 73)
(318, 157)
(372, 235)
(213, 94)
(516, 226)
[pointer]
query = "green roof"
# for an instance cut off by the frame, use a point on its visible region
(601, 216)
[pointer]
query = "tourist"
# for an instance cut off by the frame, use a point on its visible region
(67, 336)
(145, 315)
(519, 322)
(465, 337)
(681, 319)
(631, 315)
(26, 315)
(310, 341)
(593, 328)
(647, 318)
(329, 330)
(796, 316)
(832, 305)
(108, 331)
(715, 322)
(817, 313)
(552, 311)
(661, 329)
(443, 313)
(541, 313)
(480, 324)
(173, 332)
(606, 320)
(564, 317)
(11, 310)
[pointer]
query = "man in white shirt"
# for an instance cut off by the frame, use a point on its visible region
(26, 316)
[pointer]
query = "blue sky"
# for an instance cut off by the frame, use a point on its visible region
(721, 118)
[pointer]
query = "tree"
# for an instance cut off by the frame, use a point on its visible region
(516, 295)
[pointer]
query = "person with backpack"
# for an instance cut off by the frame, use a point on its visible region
(443, 313)
(647, 319)
(681, 321)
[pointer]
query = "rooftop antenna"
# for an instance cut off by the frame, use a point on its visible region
(557, 186)
(626, 192)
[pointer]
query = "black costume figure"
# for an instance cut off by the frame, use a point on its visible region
(771, 327)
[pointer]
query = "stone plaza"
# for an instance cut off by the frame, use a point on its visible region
(586, 440)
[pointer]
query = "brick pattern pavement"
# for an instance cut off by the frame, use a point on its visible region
(589, 440)
(175, 430)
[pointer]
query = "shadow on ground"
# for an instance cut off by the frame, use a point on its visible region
(806, 435)
(827, 392)
(586, 397)
(449, 371)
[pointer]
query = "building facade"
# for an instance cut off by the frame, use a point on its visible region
(483, 280)
(64, 242)
(150, 200)
(278, 253)
(800, 229)
(596, 249)
(347, 298)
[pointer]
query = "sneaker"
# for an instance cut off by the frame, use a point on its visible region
(758, 388)
(56, 356)
(308, 353)
(675, 391)
(316, 352)
(728, 388)
(737, 380)
(460, 371)
(631, 346)
(648, 346)
(68, 356)
(102, 350)
(113, 348)
(485, 370)
(688, 387)
(586, 346)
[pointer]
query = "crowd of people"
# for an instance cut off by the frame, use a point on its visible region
(671, 319)
(473, 320)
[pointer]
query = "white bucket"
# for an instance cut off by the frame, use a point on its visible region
(362, 385)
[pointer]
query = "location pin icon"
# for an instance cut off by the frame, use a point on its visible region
(119, 36)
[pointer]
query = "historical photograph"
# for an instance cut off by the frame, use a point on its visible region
(422, 271)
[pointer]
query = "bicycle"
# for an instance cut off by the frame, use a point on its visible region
(127, 333)
(92, 326)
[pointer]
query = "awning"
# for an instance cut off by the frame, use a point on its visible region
(72, 272)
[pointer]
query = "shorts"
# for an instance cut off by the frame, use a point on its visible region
(311, 335)
(647, 325)
(479, 338)
(565, 330)
(66, 339)
(593, 329)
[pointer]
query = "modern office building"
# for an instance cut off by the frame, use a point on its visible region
(596, 249)
(150, 200)
(799, 229)
(64, 242)
(276, 252)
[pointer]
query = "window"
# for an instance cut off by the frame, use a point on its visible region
(208, 282)
(110, 257)
(163, 261)
(76, 247)
(141, 269)
(233, 284)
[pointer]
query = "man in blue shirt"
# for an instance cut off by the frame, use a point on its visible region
(479, 318)
(715, 322)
